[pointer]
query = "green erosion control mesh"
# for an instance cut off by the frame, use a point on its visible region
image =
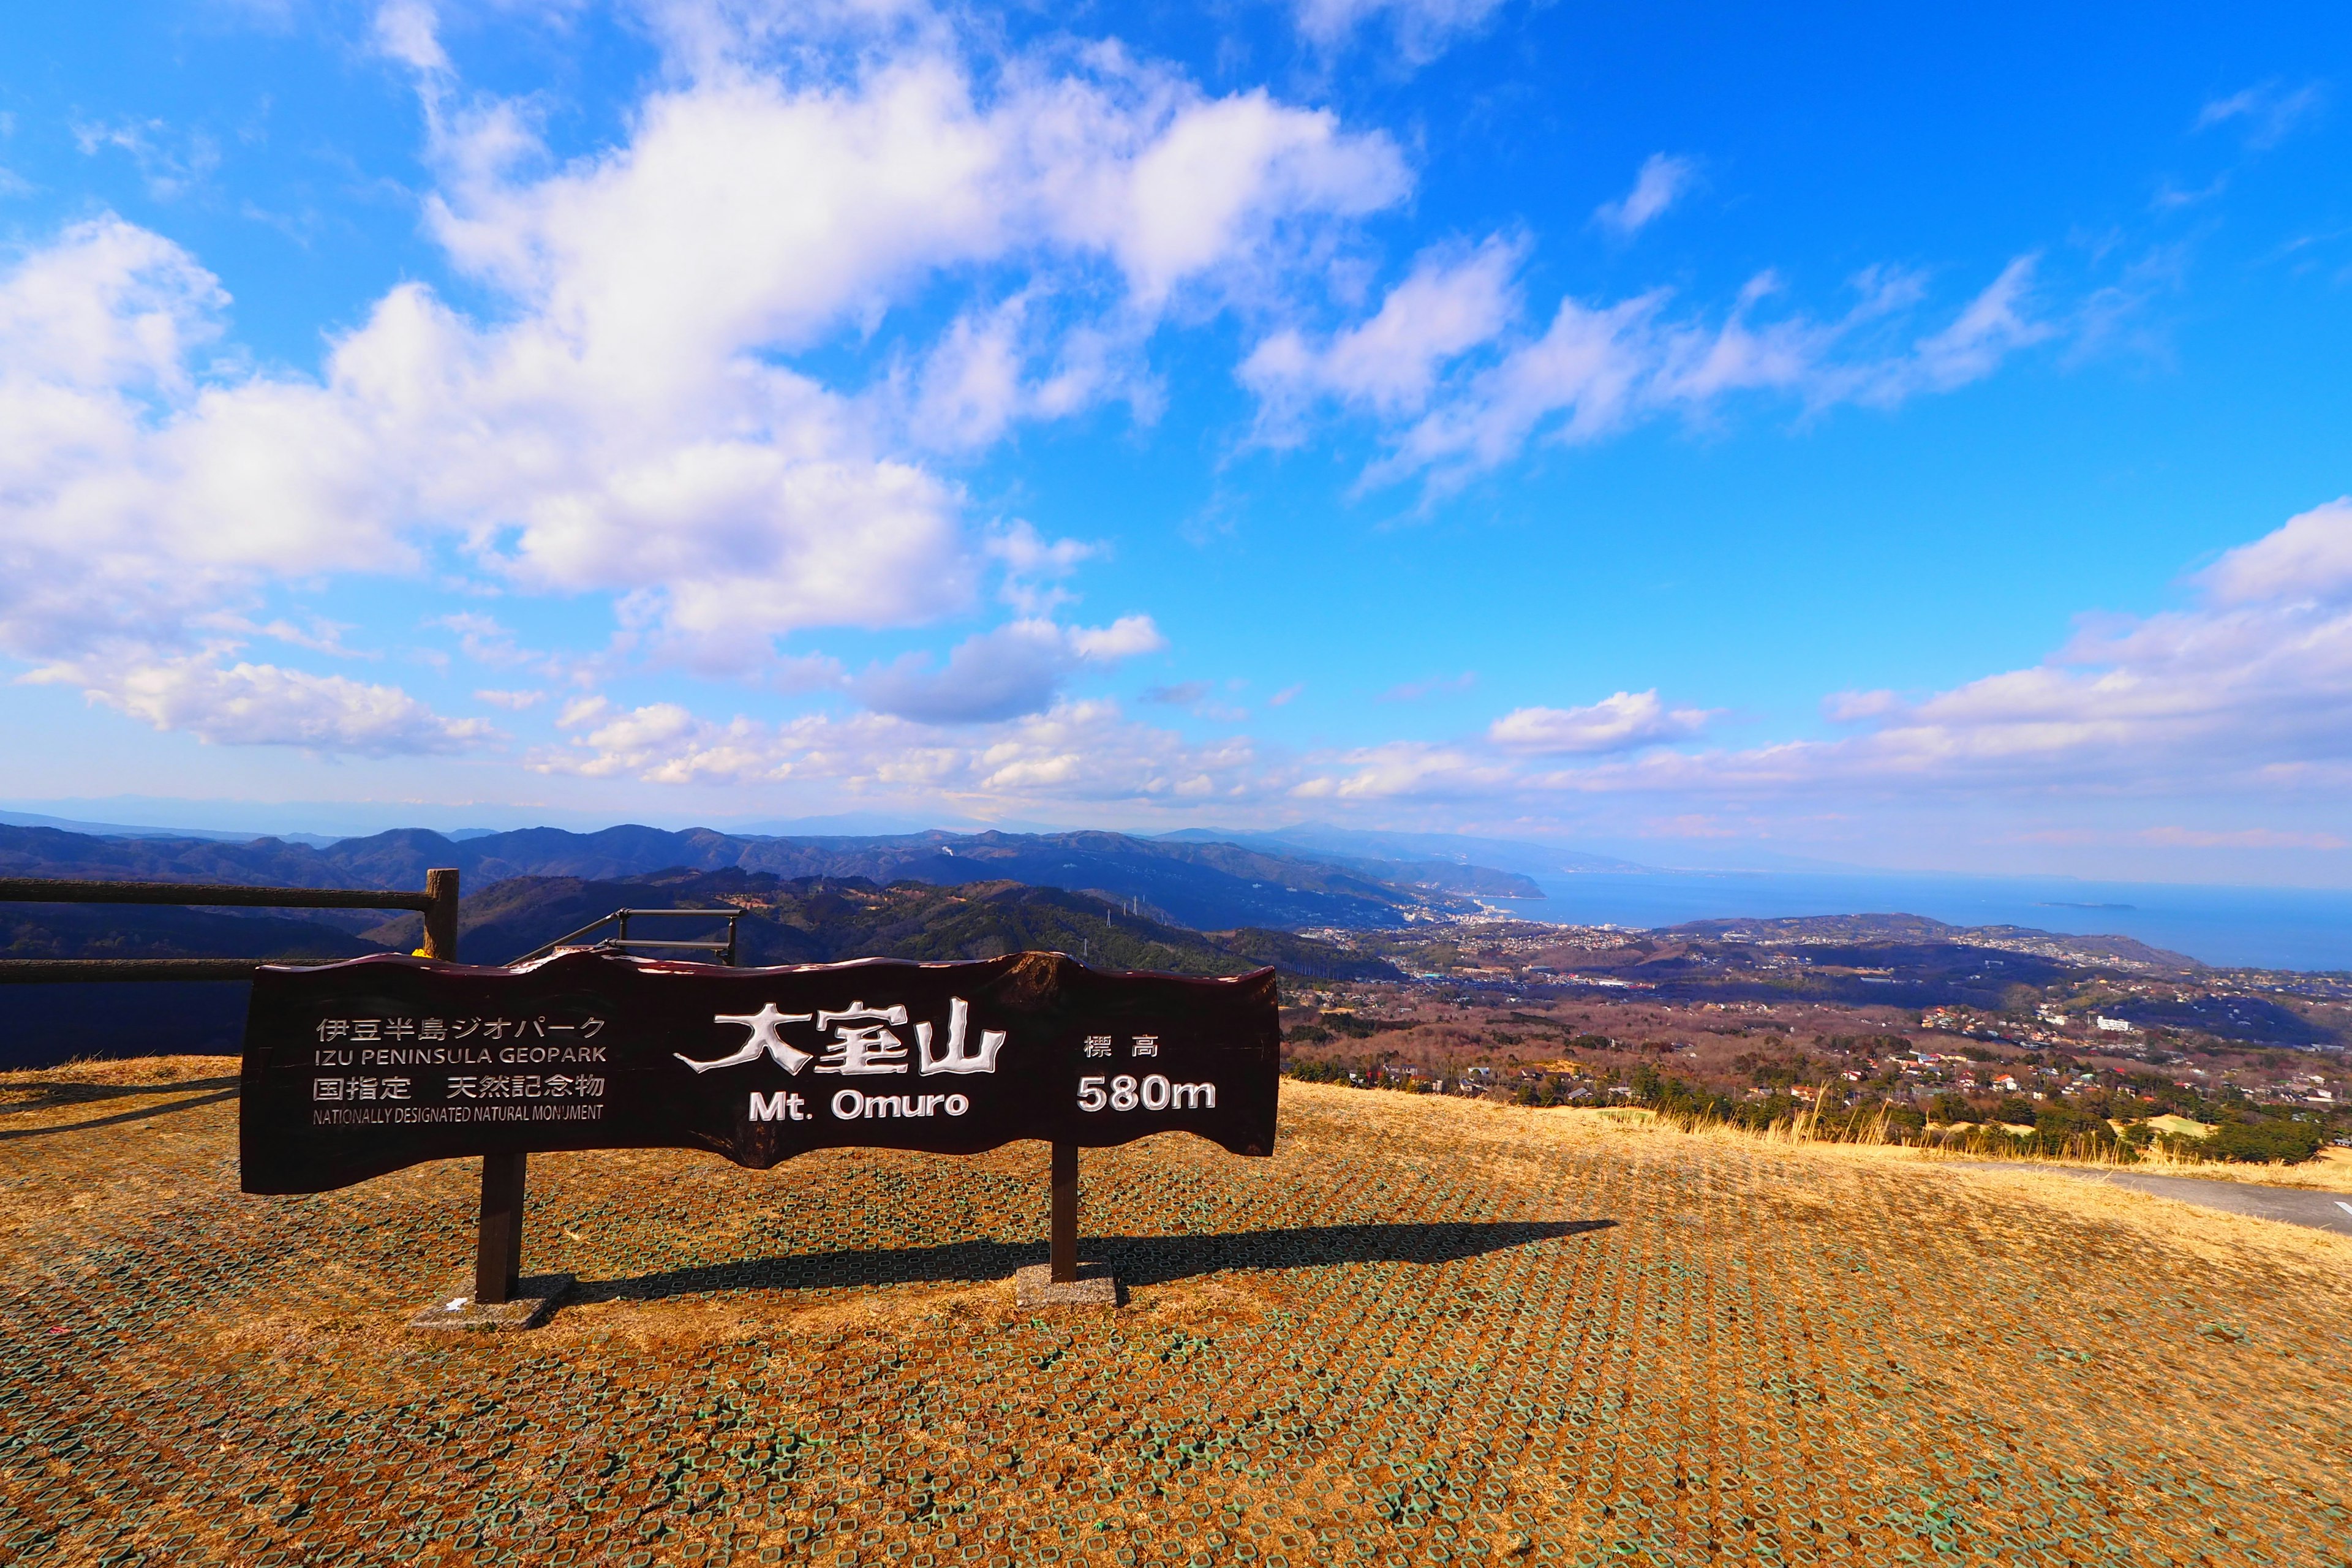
(1424, 1332)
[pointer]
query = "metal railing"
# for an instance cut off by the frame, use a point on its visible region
(437, 903)
(624, 942)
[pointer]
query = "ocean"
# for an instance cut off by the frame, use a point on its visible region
(2275, 928)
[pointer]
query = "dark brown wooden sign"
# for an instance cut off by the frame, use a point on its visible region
(355, 1069)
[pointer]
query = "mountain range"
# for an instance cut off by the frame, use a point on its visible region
(808, 919)
(1206, 885)
(823, 920)
(1188, 902)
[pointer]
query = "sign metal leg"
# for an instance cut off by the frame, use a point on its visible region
(502, 1299)
(1059, 1282)
(1065, 1214)
(498, 1258)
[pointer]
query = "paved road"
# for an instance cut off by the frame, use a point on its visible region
(2292, 1205)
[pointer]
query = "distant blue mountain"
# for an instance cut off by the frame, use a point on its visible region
(1364, 846)
(125, 830)
(1208, 886)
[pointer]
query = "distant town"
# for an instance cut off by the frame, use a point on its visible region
(2010, 1040)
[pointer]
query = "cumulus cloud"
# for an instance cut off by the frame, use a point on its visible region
(1450, 303)
(1034, 568)
(1660, 183)
(792, 210)
(2309, 560)
(98, 333)
(1125, 638)
(1401, 770)
(244, 704)
(627, 418)
(409, 31)
(1624, 722)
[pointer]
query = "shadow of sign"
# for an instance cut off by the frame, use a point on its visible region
(1137, 1260)
(56, 1094)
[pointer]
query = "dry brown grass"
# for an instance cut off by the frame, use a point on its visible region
(1426, 1331)
(2330, 1170)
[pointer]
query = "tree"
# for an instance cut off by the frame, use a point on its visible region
(2262, 1142)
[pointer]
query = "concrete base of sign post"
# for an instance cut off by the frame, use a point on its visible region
(1034, 1285)
(535, 1296)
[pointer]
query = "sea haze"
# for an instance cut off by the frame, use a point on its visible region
(2283, 927)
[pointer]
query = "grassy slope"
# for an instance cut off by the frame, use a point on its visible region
(1428, 1328)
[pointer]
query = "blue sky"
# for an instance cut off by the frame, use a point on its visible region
(1707, 438)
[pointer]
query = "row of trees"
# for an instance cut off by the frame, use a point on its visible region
(2059, 1129)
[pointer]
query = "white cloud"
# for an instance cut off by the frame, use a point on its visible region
(1450, 303)
(1622, 722)
(1013, 670)
(2269, 111)
(1195, 697)
(1421, 28)
(1085, 752)
(1034, 570)
(1402, 769)
(1597, 369)
(1218, 180)
(973, 385)
(1993, 326)
(512, 701)
(244, 704)
(97, 331)
(1660, 183)
(169, 165)
(2308, 560)
(744, 212)
(409, 32)
(2248, 689)
(1129, 636)
(625, 418)
(1587, 368)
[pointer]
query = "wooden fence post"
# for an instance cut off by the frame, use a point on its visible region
(441, 919)
(1065, 1179)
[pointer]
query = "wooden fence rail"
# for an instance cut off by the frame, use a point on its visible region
(498, 1246)
(437, 903)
